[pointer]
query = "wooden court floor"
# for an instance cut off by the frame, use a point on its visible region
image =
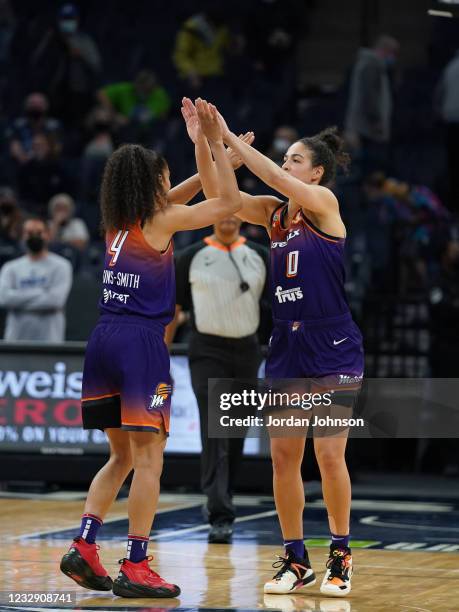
(215, 576)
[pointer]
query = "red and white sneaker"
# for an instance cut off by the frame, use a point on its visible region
(81, 563)
(139, 580)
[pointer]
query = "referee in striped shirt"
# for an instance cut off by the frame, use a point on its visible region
(222, 281)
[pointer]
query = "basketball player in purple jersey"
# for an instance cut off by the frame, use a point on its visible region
(314, 335)
(126, 382)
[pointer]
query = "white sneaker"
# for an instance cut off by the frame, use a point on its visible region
(294, 574)
(337, 579)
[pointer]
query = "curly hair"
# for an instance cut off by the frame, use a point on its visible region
(327, 149)
(131, 187)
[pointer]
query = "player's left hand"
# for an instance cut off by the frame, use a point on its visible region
(191, 120)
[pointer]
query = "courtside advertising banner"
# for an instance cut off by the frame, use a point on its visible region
(40, 406)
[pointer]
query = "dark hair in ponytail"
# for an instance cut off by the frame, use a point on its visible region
(327, 149)
(131, 186)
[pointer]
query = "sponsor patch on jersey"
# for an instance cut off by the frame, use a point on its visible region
(108, 294)
(288, 295)
(292, 234)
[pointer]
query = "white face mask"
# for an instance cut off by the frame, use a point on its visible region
(280, 144)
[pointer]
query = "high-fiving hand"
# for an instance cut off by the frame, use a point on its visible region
(193, 127)
(211, 126)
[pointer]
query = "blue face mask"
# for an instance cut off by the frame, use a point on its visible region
(68, 26)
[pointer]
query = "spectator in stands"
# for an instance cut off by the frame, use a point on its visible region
(70, 62)
(10, 225)
(369, 112)
(63, 226)
(96, 152)
(447, 102)
(42, 176)
(200, 47)
(34, 289)
(142, 100)
(35, 121)
(100, 127)
(283, 137)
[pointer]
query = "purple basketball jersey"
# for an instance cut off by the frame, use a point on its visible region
(307, 270)
(137, 279)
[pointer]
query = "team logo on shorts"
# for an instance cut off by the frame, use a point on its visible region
(162, 392)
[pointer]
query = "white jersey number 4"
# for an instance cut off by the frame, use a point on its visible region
(292, 264)
(117, 245)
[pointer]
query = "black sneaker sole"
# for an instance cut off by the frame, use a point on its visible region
(125, 588)
(75, 567)
(220, 539)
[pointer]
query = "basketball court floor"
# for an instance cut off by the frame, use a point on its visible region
(405, 548)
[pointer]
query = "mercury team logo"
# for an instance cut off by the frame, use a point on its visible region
(162, 392)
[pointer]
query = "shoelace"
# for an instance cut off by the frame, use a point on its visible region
(78, 539)
(284, 564)
(148, 558)
(336, 564)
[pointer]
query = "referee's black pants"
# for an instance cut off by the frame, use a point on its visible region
(217, 357)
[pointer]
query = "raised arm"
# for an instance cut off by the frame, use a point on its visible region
(228, 201)
(255, 209)
(316, 198)
(185, 191)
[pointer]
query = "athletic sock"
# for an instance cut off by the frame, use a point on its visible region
(340, 541)
(90, 525)
(296, 547)
(136, 548)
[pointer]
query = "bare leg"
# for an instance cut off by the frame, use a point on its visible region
(336, 484)
(147, 455)
(287, 455)
(108, 480)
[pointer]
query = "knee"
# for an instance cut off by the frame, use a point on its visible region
(153, 462)
(122, 461)
(284, 462)
(330, 462)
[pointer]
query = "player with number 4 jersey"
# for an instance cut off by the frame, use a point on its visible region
(126, 382)
(314, 335)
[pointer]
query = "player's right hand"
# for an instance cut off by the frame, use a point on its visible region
(209, 121)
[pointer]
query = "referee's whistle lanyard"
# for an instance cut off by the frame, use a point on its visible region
(243, 284)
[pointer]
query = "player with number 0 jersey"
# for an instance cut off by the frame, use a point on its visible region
(314, 335)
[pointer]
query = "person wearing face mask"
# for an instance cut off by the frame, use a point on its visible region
(284, 136)
(34, 289)
(71, 63)
(34, 121)
(369, 113)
